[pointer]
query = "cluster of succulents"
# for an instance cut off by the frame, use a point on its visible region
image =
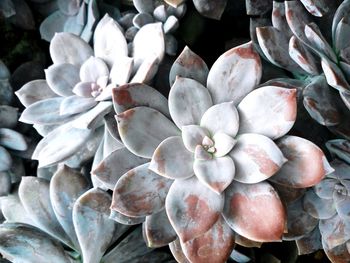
(128, 170)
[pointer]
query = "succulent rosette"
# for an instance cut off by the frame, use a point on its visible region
(202, 158)
(62, 220)
(319, 217)
(317, 58)
(72, 108)
(12, 142)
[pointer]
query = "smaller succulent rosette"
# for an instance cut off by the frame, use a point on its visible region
(208, 8)
(319, 217)
(203, 157)
(319, 58)
(71, 107)
(62, 220)
(11, 141)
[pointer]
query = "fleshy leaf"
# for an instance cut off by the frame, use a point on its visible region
(193, 135)
(256, 158)
(5, 159)
(335, 231)
(214, 246)
(339, 254)
(52, 24)
(318, 207)
(140, 192)
(126, 220)
(192, 208)
(176, 250)
(158, 230)
(92, 69)
(69, 48)
(310, 243)
(325, 188)
(269, 111)
(189, 65)
(265, 219)
(121, 71)
(171, 159)
(12, 140)
(209, 8)
(223, 144)
(238, 71)
(76, 104)
(307, 163)
(217, 173)
(91, 212)
(136, 137)
(334, 75)
(188, 101)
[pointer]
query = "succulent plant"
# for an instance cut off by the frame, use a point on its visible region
(198, 173)
(208, 8)
(17, 12)
(63, 221)
(11, 141)
(70, 107)
(319, 217)
(295, 42)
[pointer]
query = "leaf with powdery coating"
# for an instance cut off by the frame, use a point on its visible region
(69, 48)
(193, 135)
(76, 104)
(238, 71)
(338, 254)
(188, 101)
(12, 140)
(269, 111)
(265, 219)
(189, 65)
(335, 231)
(316, 8)
(192, 208)
(176, 250)
(24, 243)
(5, 158)
(318, 207)
(209, 8)
(142, 129)
(310, 243)
(342, 11)
(126, 220)
(34, 91)
(140, 192)
(339, 148)
(171, 159)
(158, 231)
(334, 75)
(91, 212)
(214, 246)
(307, 165)
(256, 158)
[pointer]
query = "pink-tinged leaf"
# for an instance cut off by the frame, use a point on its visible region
(287, 194)
(137, 94)
(318, 42)
(335, 231)
(245, 242)
(318, 207)
(158, 231)
(339, 148)
(193, 135)
(325, 188)
(213, 246)
(342, 11)
(189, 65)
(338, 254)
(209, 8)
(121, 71)
(142, 129)
(69, 48)
(269, 111)
(65, 187)
(321, 102)
(303, 57)
(76, 104)
(279, 18)
(175, 3)
(91, 212)
(62, 78)
(92, 69)
(188, 101)
(149, 43)
(217, 173)
(12, 140)
(310, 243)
(140, 192)
(192, 208)
(307, 165)
(299, 222)
(274, 45)
(126, 220)
(115, 165)
(265, 219)
(334, 75)
(200, 153)
(342, 201)
(256, 158)
(316, 8)
(297, 18)
(34, 91)
(34, 194)
(342, 34)
(109, 41)
(176, 250)
(238, 71)
(171, 159)
(221, 118)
